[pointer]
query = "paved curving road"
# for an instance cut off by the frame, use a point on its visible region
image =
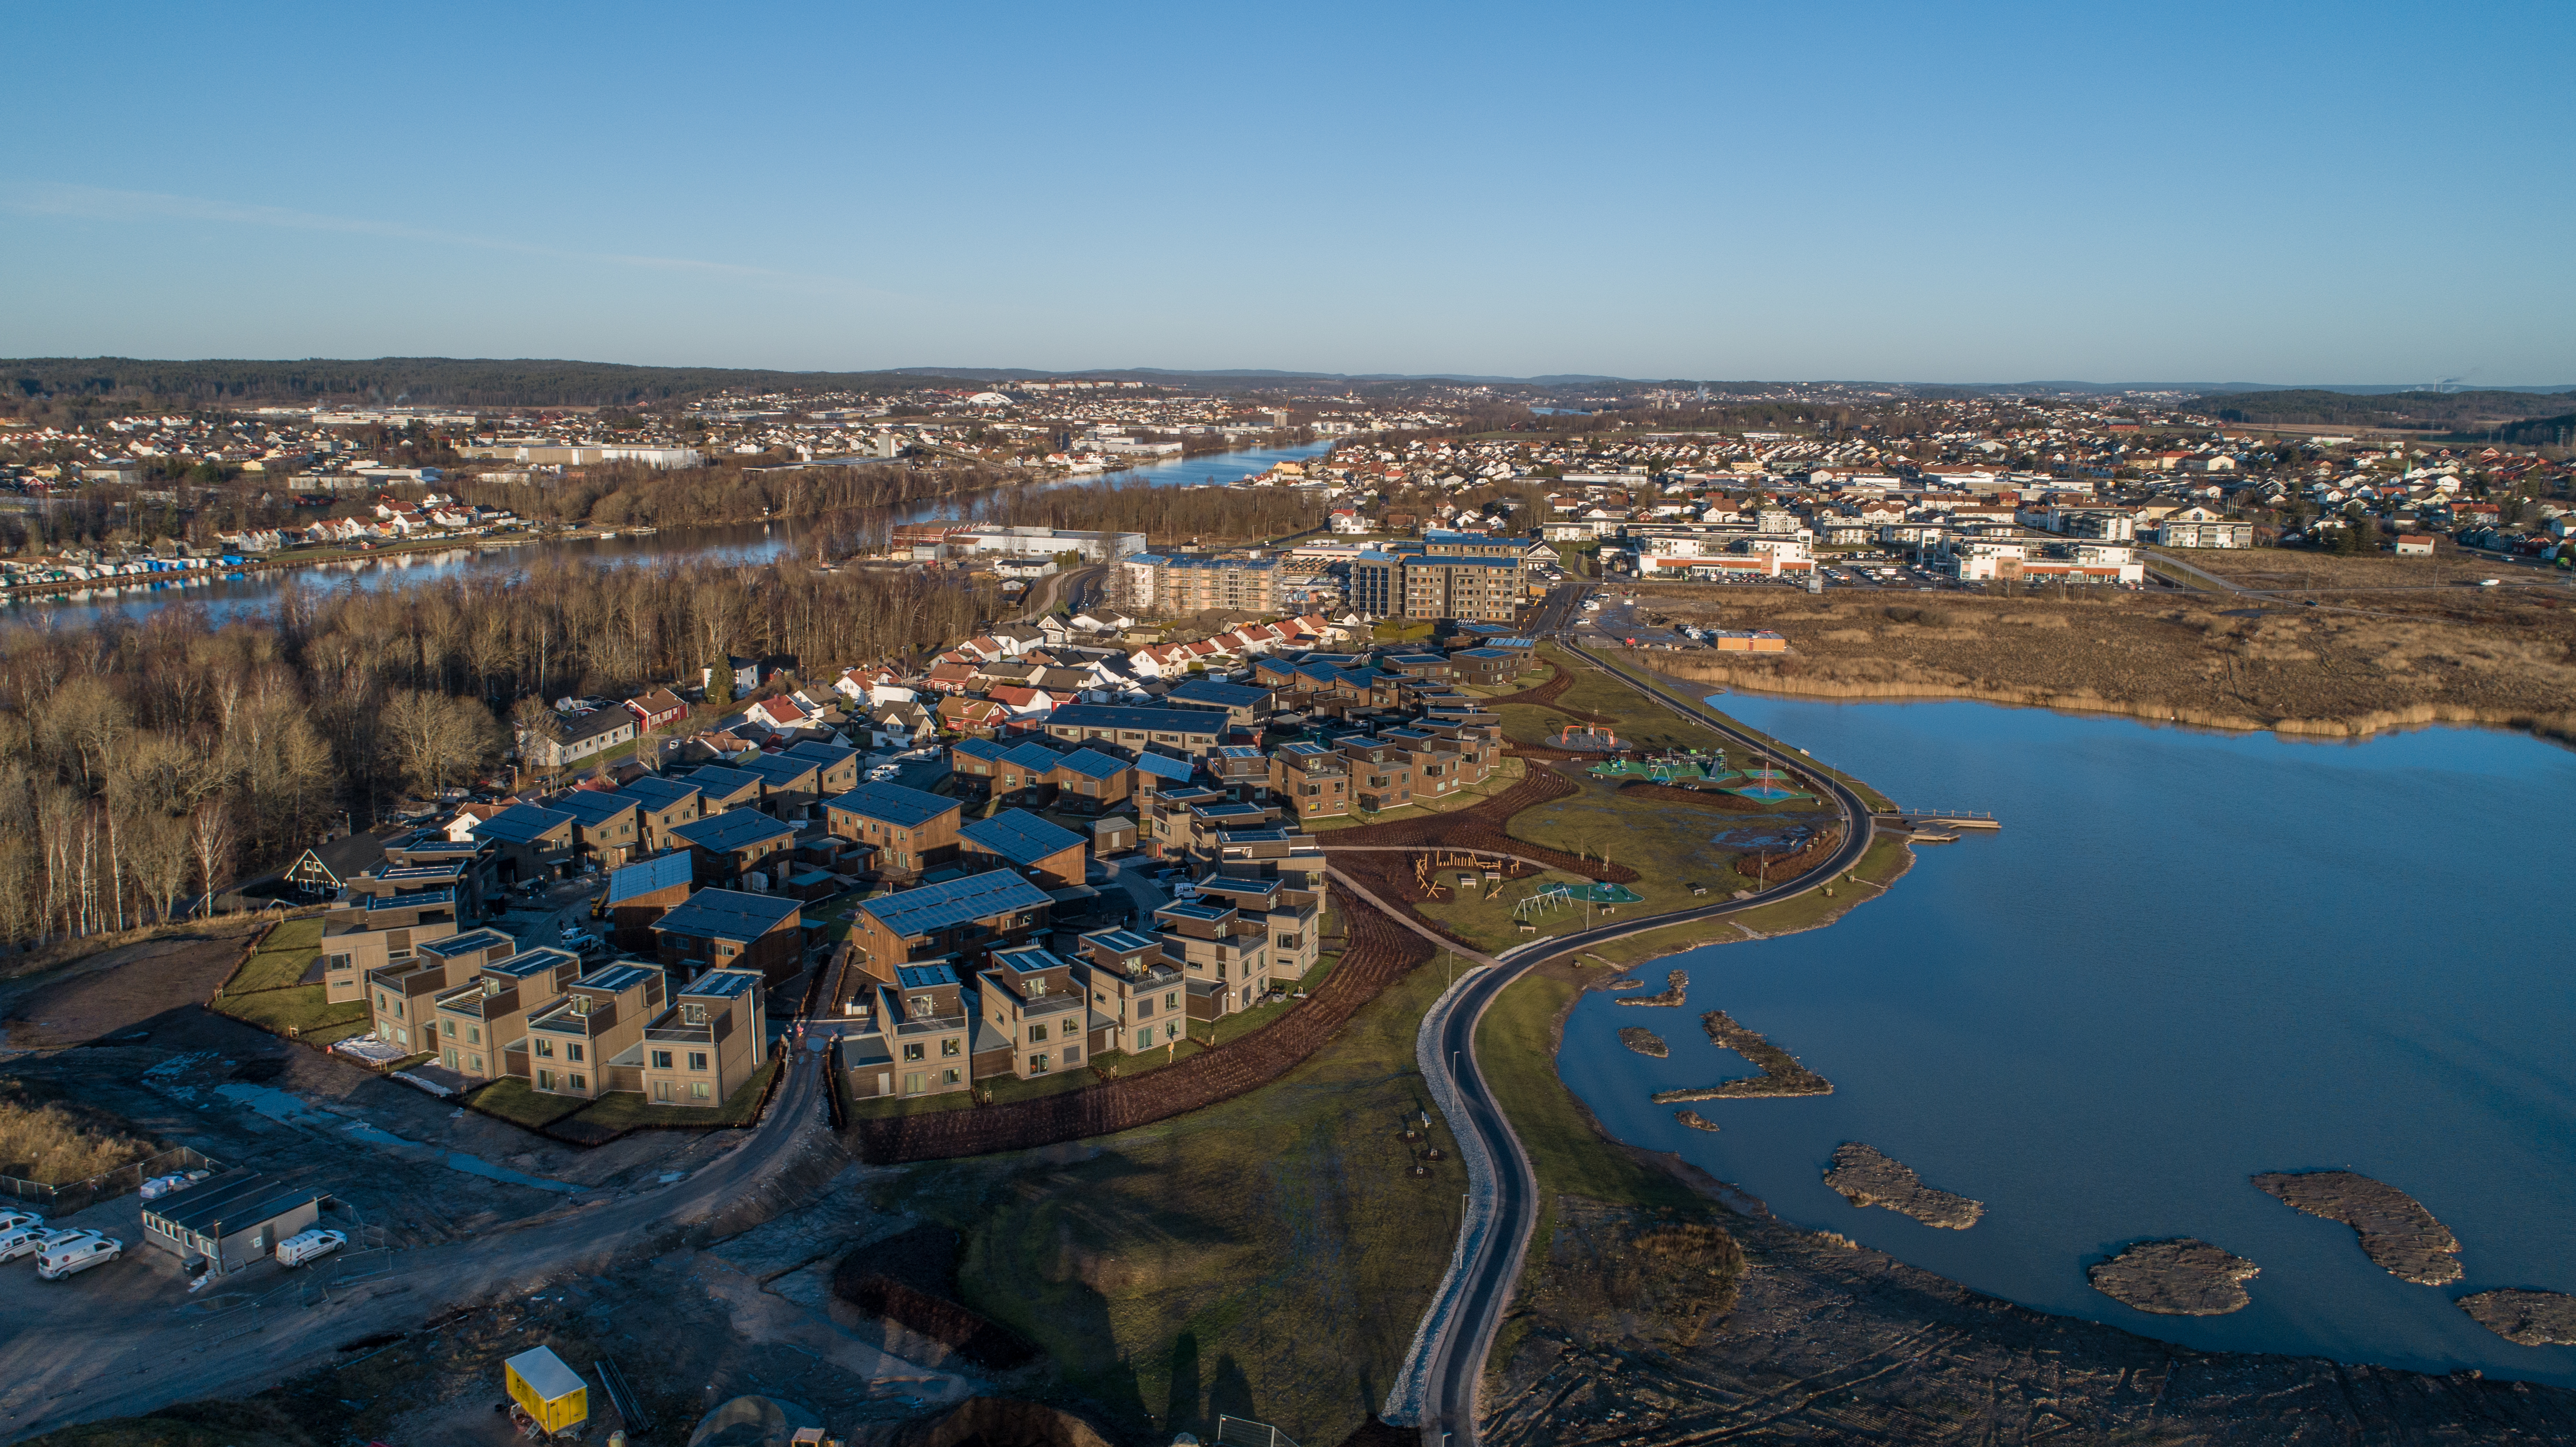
(1458, 1332)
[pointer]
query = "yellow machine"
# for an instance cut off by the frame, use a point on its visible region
(551, 1393)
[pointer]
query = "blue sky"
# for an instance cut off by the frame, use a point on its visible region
(2351, 193)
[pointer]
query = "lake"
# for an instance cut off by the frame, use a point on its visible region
(2187, 958)
(255, 594)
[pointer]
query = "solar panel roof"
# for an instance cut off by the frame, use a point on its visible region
(955, 902)
(893, 804)
(1019, 836)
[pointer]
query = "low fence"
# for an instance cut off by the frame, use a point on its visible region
(1380, 953)
(64, 1200)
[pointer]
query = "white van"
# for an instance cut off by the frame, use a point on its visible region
(12, 1220)
(304, 1246)
(18, 1241)
(58, 1261)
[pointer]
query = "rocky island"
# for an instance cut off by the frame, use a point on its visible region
(1866, 1176)
(1694, 1119)
(2180, 1277)
(2525, 1318)
(2395, 1229)
(1676, 986)
(1781, 1072)
(1643, 1041)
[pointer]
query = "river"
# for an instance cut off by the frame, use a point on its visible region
(253, 594)
(2187, 958)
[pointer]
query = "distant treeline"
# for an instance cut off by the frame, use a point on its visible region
(624, 494)
(1165, 514)
(2556, 431)
(2436, 410)
(418, 381)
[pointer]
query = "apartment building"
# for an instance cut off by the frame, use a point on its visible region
(378, 933)
(1192, 733)
(729, 845)
(904, 830)
(533, 843)
(482, 1017)
(641, 893)
(1288, 908)
(1047, 854)
(1033, 1015)
(711, 1040)
(836, 769)
(721, 788)
(1312, 781)
(605, 825)
(573, 1044)
(955, 923)
(1223, 958)
(915, 1040)
(790, 787)
(660, 804)
(1131, 985)
(726, 929)
(1178, 584)
(590, 734)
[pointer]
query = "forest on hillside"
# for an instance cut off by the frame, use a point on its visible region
(417, 381)
(142, 763)
(2437, 411)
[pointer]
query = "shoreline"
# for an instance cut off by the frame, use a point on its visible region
(2560, 729)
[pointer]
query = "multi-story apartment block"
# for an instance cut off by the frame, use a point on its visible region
(1177, 584)
(714, 1037)
(659, 805)
(483, 1017)
(605, 825)
(398, 993)
(915, 1036)
(721, 788)
(956, 923)
(1131, 985)
(575, 1045)
(1447, 575)
(1224, 959)
(729, 845)
(905, 831)
(836, 769)
(641, 893)
(377, 933)
(790, 787)
(534, 843)
(1192, 733)
(1049, 855)
(1312, 781)
(727, 929)
(1034, 1016)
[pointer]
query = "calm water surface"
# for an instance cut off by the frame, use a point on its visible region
(2187, 958)
(256, 593)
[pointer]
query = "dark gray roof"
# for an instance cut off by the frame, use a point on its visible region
(1157, 720)
(1019, 836)
(938, 906)
(230, 1204)
(727, 914)
(731, 830)
(893, 804)
(593, 807)
(521, 823)
(657, 793)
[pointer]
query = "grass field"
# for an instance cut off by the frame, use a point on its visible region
(281, 959)
(302, 1011)
(1882, 861)
(1268, 1257)
(512, 1100)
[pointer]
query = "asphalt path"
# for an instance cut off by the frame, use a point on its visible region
(152, 1358)
(1468, 1310)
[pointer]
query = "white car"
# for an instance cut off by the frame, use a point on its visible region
(88, 1249)
(18, 1241)
(304, 1246)
(12, 1220)
(170, 1185)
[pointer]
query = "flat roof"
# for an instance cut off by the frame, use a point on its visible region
(532, 962)
(408, 901)
(820, 752)
(1029, 959)
(954, 902)
(732, 914)
(923, 977)
(731, 830)
(619, 975)
(467, 943)
(1019, 836)
(231, 1204)
(1196, 909)
(1218, 694)
(722, 985)
(894, 804)
(1122, 941)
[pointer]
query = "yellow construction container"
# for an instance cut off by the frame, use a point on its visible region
(546, 1389)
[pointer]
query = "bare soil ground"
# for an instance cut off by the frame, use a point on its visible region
(120, 989)
(2388, 660)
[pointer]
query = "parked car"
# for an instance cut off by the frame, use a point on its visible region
(305, 1246)
(18, 1241)
(11, 1220)
(177, 1181)
(90, 1249)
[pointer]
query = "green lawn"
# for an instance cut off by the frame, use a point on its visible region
(628, 1109)
(1396, 631)
(300, 1010)
(513, 1100)
(1685, 688)
(281, 959)
(1507, 772)
(1268, 1257)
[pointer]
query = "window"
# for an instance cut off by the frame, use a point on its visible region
(912, 1083)
(339, 962)
(572, 1051)
(1037, 1033)
(951, 1076)
(1172, 1000)
(578, 1081)
(697, 1060)
(949, 1046)
(698, 1090)
(661, 1059)
(693, 1014)
(1038, 1063)
(473, 1034)
(545, 1080)
(912, 1051)
(474, 1063)
(447, 1028)
(1072, 1054)
(662, 1090)
(546, 1049)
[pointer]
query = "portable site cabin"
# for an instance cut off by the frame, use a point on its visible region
(232, 1221)
(548, 1391)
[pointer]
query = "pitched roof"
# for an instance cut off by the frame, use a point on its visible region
(731, 830)
(1157, 720)
(521, 823)
(592, 808)
(650, 876)
(1214, 694)
(893, 804)
(982, 749)
(938, 906)
(721, 781)
(1093, 764)
(732, 914)
(658, 793)
(1019, 836)
(823, 755)
(779, 771)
